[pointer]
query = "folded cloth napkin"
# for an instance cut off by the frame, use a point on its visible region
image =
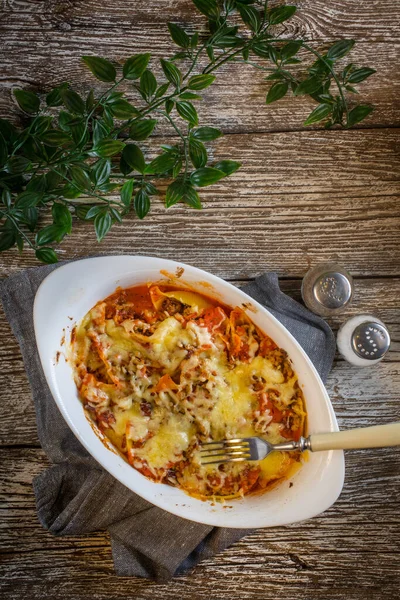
(75, 495)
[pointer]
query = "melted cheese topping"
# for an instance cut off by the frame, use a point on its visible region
(159, 384)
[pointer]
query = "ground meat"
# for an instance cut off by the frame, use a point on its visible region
(172, 306)
(146, 408)
(110, 311)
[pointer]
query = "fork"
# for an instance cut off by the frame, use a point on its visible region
(256, 448)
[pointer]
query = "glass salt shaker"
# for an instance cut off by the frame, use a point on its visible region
(363, 340)
(326, 289)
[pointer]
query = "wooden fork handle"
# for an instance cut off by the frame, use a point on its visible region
(378, 436)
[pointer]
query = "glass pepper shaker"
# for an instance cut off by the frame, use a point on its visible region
(363, 340)
(326, 289)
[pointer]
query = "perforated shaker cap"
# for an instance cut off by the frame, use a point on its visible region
(333, 290)
(370, 340)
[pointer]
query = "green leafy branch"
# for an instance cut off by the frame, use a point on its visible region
(82, 157)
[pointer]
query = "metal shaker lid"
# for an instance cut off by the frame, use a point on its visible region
(327, 288)
(370, 340)
(333, 289)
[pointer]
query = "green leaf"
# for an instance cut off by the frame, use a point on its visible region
(280, 14)
(188, 112)
(136, 65)
(151, 189)
(277, 75)
(290, 49)
(359, 75)
(101, 68)
(351, 89)
(142, 129)
(41, 125)
(62, 216)
(55, 138)
(322, 66)
(37, 184)
(189, 96)
(70, 191)
(6, 198)
(65, 119)
(8, 131)
(108, 187)
(46, 255)
(28, 199)
(250, 16)
(340, 49)
(179, 35)
(133, 156)
(93, 211)
(162, 163)
(90, 101)
(122, 109)
(79, 132)
(210, 53)
(200, 82)
(277, 91)
(206, 176)
(7, 240)
(264, 50)
(227, 166)
(3, 150)
(169, 105)
(115, 214)
(82, 210)
(49, 234)
(148, 84)
(206, 134)
(141, 204)
(30, 217)
(194, 40)
(54, 98)
(108, 147)
(358, 114)
(161, 90)
(100, 131)
(208, 7)
(73, 102)
(175, 192)
(191, 197)
(17, 164)
(27, 101)
(102, 225)
(80, 178)
(308, 86)
(172, 73)
(197, 153)
(318, 114)
(126, 192)
(101, 171)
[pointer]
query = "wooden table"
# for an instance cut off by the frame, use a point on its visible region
(301, 197)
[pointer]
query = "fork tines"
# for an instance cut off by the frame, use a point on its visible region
(235, 450)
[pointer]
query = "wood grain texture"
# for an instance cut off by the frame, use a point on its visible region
(42, 43)
(326, 555)
(301, 197)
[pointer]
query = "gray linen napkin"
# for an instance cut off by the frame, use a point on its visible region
(76, 495)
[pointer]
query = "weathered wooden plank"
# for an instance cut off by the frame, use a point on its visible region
(286, 558)
(360, 396)
(235, 103)
(300, 197)
(319, 19)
